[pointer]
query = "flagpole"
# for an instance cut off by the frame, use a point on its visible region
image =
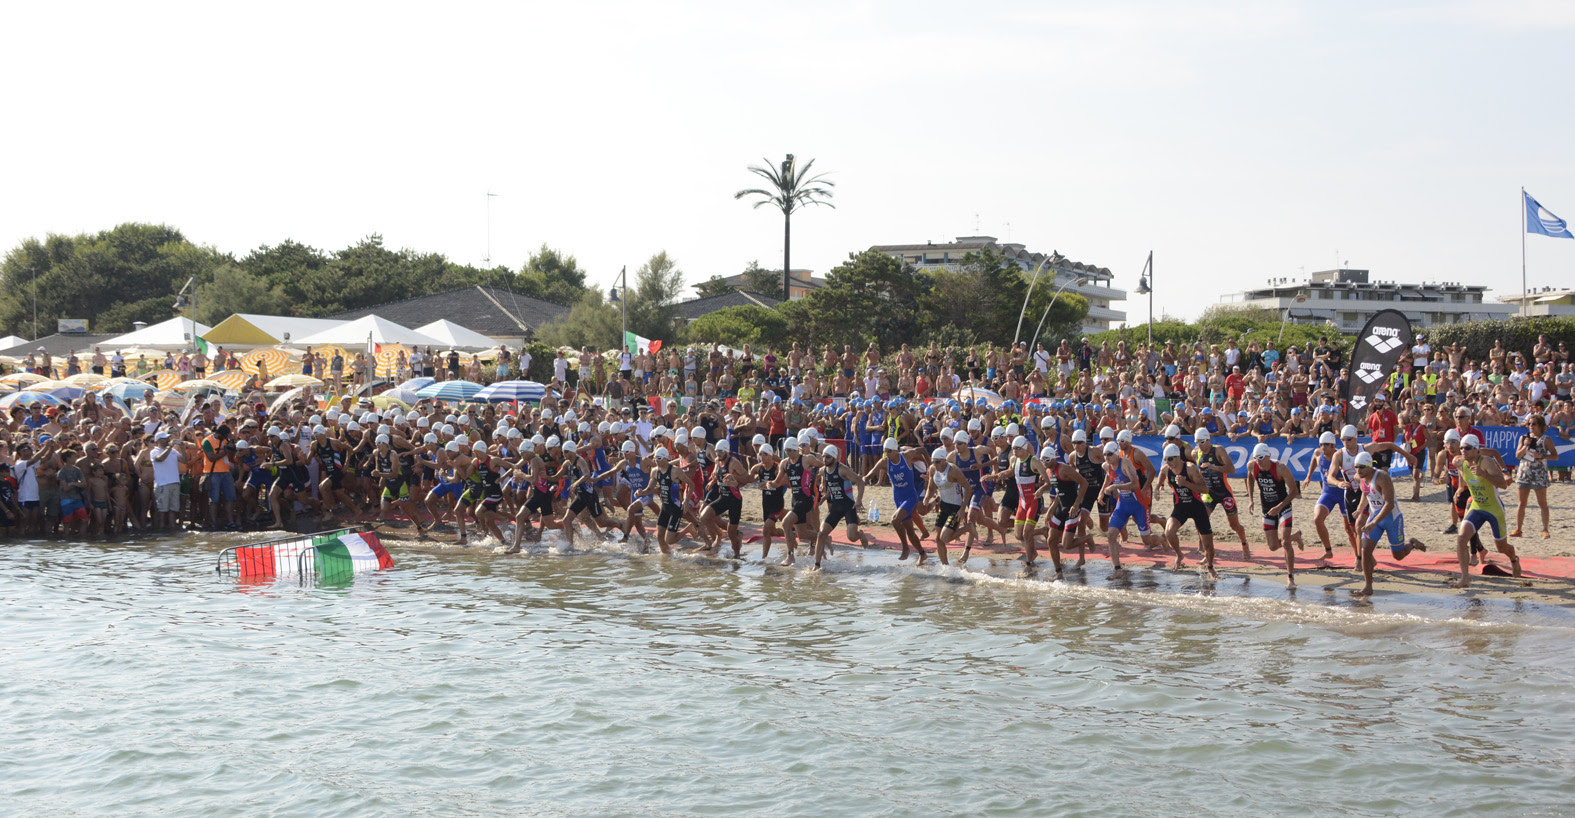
(1524, 309)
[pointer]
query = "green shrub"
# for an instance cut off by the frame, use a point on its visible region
(1519, 334)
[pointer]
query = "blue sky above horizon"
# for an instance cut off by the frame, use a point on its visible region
(1237, 140)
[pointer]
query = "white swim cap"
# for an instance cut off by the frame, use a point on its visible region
(430, 438)
(758, 441)
(1047, 422)
(1107, 433)
(1125, 436)
(1348, 431)
(1364, 459)
(628, 447)
(382, 439)
(829, 451)
(765, 449)
(453, 446)
(1470, 441)
(353, 427)
(975, 425)
(698, 431)
(1262, 450)
(554, 442)
(1172, 430)
(1200, 436)
(1112, 448)
(938, 454)
(790, 444)
(1328, 439)
(1172, 450)
(569, 447)
(1452, 434)
(890, 445)
(1019, 442)
(662, 453)
(1012, 430)
(1047, 453)
(1080, 436)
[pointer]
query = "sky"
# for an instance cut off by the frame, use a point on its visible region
(1237, 141)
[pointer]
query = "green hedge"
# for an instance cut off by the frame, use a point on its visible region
(1519, 335)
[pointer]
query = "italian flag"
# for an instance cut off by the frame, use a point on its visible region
(337, 554)
(353, 552)
(636, 345)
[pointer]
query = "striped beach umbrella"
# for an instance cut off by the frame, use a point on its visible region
(196, 383)
(86, 379)
(230, 379)
(276, 361)
(163, 379)
(417, 384)
(388, 360)
(128, 391)
(23, 377)
(512, 392)
(450, 391)
(67, 391)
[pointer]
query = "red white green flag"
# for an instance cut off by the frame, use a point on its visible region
(339, 553)
(354, 552)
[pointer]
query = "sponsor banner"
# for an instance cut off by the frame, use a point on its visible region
(1300, 454)
(1381, 346)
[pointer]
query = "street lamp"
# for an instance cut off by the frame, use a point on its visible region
(1145, 287)
(1287, 316)
(1061, 289)
(1054, 258)
(613, 295)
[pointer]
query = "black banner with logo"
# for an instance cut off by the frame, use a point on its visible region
(1381, 346)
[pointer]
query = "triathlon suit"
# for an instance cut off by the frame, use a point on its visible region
(726, 499)
(475, 484)
(1353, 495)
(1003, 462)
(1452, 481)
(394, 488)
(332, 463)
(701, 464)
(671, 491)
(839, 504)
(904, 484)
(1272, 491)
(1066, 515)
(491, 489)
(542, 495)
(949, 492)
(1393, 525)
(635, 478)
(585, 495)
(802, 481)
(1127, 506)
(1219, 487)
(257, 477)
(970, 472)
(449, 484)
(1024, 481)
(1485, 509)
(600, 464)
(773, 500)
(1094, 473)
(1332, 497)
(1188, 505)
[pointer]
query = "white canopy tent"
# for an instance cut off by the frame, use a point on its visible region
(451, 334)
(357, 332)
(11, 341)
(177, 333)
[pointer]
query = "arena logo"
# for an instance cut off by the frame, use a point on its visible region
(1383, 339)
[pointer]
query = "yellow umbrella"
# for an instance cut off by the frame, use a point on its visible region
(23, 377)
(45, 386)
(163, 379)
(277, 361)
(388, 358)
(86, 379)
(230, 379)
(292, 380)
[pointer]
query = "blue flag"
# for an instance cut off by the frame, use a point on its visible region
(1539, 220)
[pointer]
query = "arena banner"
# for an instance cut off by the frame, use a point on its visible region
(1299, 454)
(1381, 346)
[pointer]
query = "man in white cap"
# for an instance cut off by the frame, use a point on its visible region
(1278, 489)
(1482, 477)
(1187, 492)
(1379, 516)
(671, 487)
(836, 481)
(1122, 483)
(1334, 467)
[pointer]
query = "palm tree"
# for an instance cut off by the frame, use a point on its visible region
(791, 188)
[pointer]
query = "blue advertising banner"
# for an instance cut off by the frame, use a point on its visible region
(1300, 453)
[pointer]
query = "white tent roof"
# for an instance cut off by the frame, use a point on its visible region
(243, 330)
(11, 341)
(381, 330)
(176, 333)
(454, 335)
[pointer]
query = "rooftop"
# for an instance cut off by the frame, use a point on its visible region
(1016, 252)
(490, 311)
(690, 310)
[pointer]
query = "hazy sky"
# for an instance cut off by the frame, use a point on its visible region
(1237, 140)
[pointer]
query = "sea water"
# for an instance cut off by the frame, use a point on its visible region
(135, 680)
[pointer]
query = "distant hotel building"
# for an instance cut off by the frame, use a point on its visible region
(1098, 292)
(1346, 298)
(1544, 302)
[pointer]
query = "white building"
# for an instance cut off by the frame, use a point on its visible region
(1347, 298)
(1057, 271)
(1546, 301)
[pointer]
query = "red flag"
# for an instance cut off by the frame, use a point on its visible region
(655, 345)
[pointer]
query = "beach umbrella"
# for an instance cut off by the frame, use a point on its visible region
(400, 394)
(416, 384)
(126, 391)
(86, 379)
(163, 379)
(388, 359)
(292, 381)
(277, 361)
(172, 401)
(450, 391)
(66, 391)
(230, 379)
(27, 397)
(512, 392)
(197, 383)
(285, 398)
(969, 394)
(27, 377)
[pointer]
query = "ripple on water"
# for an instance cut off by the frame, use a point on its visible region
(599, 683)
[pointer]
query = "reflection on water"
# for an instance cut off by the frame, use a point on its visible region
(594, 684)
